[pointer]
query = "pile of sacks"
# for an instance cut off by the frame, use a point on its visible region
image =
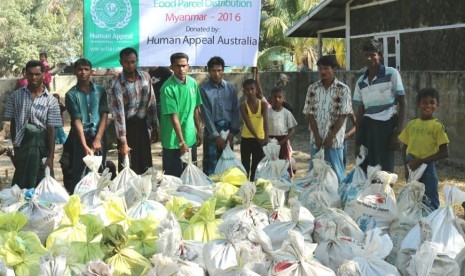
(223, 224)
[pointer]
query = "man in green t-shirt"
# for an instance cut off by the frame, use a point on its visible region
(180, 116)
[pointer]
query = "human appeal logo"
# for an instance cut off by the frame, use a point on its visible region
(111, 14)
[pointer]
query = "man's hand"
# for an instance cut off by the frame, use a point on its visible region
(124, 149)
(184, 148)
(318, 142)
(230, 138)
(199, 139)
(88, 150)
(415, 164)
(220, 143)
(328, 142)
(49, 163)
(96, 145)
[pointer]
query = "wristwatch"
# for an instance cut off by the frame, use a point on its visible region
(182, 143)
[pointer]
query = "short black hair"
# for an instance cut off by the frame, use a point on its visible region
(35, 63)
(425, 92)
(216, 60)
(249, 82)
(127, 51)
(43, 54)
(327, 61)
(82, 62)
(373, 45)
(177, 56)
(277, 89)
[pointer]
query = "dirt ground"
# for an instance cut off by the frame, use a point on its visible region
(448, 175)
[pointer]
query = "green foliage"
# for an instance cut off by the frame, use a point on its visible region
(277, 17)
(28, 27)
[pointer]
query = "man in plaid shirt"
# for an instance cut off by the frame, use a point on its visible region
(134, 109)
(34, 113)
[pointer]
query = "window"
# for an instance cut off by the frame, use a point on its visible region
(391, 50)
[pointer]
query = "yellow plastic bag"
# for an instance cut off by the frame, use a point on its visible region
(143, 236)
(203, 226)
(234, 176)
(23, 255)
(123, 259)
(72, 230)
(13, 223)
(262, 196)
(90, 249)
(226, 197)
(182, 209)
(115, 210)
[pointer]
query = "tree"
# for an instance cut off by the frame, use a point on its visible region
(29, 27)
(277, 17)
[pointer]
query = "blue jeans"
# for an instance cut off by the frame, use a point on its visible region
(344, 153)
(334, 156)
(430, 180)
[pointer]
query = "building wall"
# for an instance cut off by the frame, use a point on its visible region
(423, 50)
(451, 86)
(405, 14)
(433, 50)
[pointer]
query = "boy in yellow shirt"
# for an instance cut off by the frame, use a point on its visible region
(425, 142)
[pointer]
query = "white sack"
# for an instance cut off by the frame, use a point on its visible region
(220, 254)
(192, 175)
(296, 259)
(350, 191)
(271, 167)
(279, 212)
(121, 182)
(414, 209)
(301, 221)
(11, 199)
(50, 190)
(43, 217)
(377, 247)
(248, 213)
(53, 266)
(89, 182)
(376, 205)
(445, 233)
(228, 158)
(321, 179)
(142, 206)
(334, 250)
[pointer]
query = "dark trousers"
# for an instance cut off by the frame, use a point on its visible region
(172, 164)
(137, 135)
(250, 148)
(376, 136)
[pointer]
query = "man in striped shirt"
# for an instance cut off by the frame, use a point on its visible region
(377, 95)
(134, 109)
(34, 113)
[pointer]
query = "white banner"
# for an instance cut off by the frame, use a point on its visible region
(199, 28)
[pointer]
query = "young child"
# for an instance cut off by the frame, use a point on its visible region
(60, 135)
(254, 132)
(281, 124)
(425, 142)
(48, 75)
(22, 81)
